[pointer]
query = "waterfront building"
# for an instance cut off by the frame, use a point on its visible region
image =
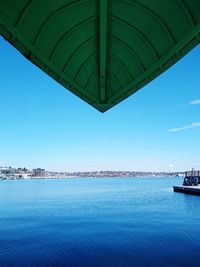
(8, 171)
(38, 172)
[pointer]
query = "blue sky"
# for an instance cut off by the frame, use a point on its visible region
(44, 125)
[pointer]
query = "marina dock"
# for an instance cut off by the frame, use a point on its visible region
(191, 183)
(192, 190)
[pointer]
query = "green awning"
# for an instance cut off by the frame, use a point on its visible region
(102, 50)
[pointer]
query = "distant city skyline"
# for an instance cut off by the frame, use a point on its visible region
(9, 173)
(42, 124)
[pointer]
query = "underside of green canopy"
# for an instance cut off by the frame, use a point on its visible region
(102, 50)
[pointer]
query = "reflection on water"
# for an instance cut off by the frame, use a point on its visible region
(98, 222)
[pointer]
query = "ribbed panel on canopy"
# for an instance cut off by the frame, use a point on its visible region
(103, 51)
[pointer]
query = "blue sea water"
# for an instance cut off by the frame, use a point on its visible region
(98, 222)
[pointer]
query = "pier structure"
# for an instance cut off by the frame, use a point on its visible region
(191, 183)
(192, 176)
(191, 190)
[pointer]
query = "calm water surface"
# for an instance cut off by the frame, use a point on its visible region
(98, 222)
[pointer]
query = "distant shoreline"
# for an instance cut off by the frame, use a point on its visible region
(87, 177)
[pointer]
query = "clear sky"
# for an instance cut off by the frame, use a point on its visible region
(44, 125)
